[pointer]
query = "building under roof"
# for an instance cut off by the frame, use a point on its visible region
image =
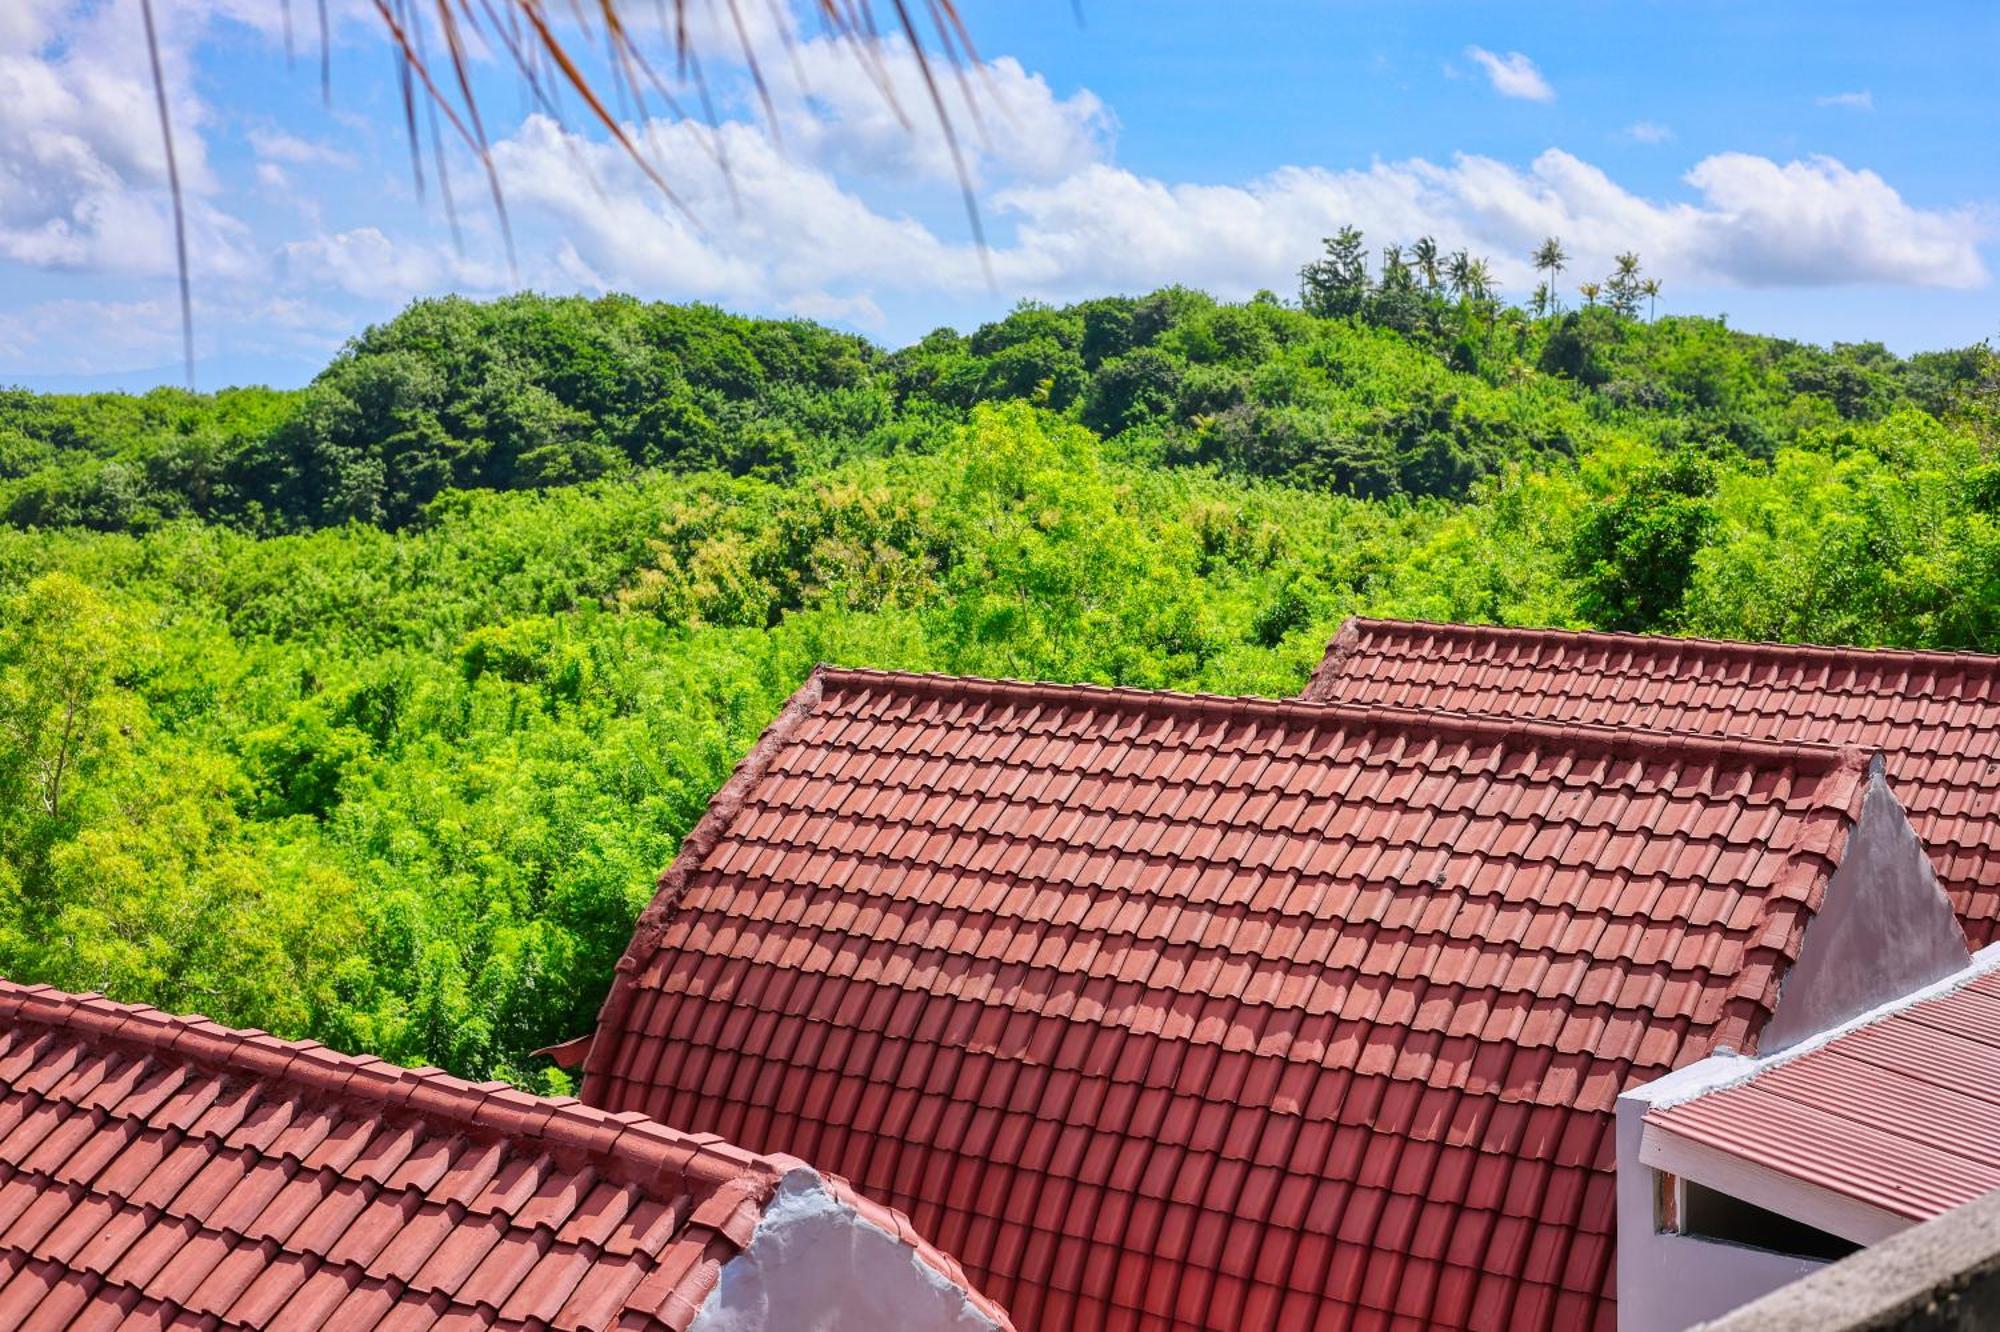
(1935, 715)
(1172, 1012)
(161, 1171)
(1740, 1173)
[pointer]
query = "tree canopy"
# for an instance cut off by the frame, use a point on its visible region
(370, 711)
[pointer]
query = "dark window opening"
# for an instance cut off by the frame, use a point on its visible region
(1700, 1212)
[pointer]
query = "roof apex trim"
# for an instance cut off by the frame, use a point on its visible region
(638, 1148)
(1356, 627)
(1802, 755)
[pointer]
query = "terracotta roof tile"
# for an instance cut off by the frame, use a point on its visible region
(1359, 985)
(160, 1171)
(1935, 715)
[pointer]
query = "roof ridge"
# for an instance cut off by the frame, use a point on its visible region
(1356, 625)
(1804, 754)
(639, 1149)
(716, 817)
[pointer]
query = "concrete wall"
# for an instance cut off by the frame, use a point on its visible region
(814, 1265)
(1884, 930)
(1669, 1282)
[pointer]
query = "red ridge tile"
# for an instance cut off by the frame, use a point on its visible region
(187, 1173)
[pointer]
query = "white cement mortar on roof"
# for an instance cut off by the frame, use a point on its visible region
(1719, 1071)
(815, 1265)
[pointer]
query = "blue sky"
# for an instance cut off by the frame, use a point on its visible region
(1827, 171)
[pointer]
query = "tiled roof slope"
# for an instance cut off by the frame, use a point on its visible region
(1901, 1115)
(163, 1171)
(1935, 714)
(1163, 1011)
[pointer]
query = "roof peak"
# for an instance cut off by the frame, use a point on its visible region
(1621, 740)
(635, 1148)
(1719, 647)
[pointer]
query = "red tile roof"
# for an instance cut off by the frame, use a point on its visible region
(160, 1170)
(1164, 1011)
(1900, 1115)
(1936, 715)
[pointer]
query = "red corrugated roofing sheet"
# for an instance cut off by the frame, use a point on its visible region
(1902, 1114)
(162, 1171)
(1172, 1012)
(1936, 715)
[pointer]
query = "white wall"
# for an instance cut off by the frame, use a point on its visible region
(814, 1265)
(1670, 1282)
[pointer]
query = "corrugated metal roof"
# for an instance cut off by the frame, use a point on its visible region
(1901, 1114)
(1165, 1011)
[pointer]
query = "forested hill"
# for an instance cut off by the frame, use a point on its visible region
(1415, 394)
(370, 711)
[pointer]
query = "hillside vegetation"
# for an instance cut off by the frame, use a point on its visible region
(370, 711)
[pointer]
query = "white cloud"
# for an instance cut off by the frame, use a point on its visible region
(1756, 223)
(367, 262)
(1852, 101)
(82, 163)
(1512, 75)
(834, 112)
(1649, 131)
(275, 145)
(795, 238)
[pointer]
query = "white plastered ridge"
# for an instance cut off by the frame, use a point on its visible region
(814, 1264)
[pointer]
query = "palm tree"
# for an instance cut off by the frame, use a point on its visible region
(1623, 287)
(1549, 258)
(1479, 283)
(1539, 302)
(1650, 288)
(1458, 272)
(1589, 290)
(1425, 255)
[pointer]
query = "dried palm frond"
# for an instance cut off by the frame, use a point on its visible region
(439, 87)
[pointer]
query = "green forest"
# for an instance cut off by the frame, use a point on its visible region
(368, 712)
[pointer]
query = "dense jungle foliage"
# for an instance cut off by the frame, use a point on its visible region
(370, 711)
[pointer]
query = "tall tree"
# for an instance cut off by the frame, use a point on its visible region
(1424, 254)
(1550, 258)
(58, 649)
(1589, 291)
(1650, 288)
(1623, 288)
(1458, 272)
(1336, 284)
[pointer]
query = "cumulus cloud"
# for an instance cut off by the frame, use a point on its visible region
(874, 117)
(275, 145)
(794, 236)
(1512, 75)
(1852, 101)
(367, 262)
(1758, 223)
(82, 165)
